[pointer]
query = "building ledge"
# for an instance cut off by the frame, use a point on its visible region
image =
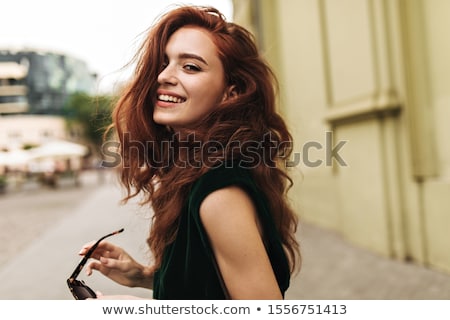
(17, 90)
(13, 107)
(366, 107)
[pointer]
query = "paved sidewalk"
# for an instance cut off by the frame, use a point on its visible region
(332, 268)
(40, 270)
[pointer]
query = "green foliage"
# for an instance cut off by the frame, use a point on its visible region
(3, 182)
(28, 146)
(91, 113)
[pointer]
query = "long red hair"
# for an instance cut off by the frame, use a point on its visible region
(152, 163)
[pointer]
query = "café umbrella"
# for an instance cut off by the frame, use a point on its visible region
(15, 157)
(58, 149)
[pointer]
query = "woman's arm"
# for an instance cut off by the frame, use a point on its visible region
(231, 222)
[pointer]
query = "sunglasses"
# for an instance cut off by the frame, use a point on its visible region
(79, 289)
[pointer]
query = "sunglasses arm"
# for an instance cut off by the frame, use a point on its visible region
(80, 266)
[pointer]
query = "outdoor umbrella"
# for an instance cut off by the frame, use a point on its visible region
(58, 149)
(14, 157)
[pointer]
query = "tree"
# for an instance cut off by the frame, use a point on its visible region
(92, 114)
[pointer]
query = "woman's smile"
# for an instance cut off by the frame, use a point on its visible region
(166, 99)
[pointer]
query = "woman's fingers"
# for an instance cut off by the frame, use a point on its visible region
(95, 265)
(115, 264)
(103, 249)
(104, 245)
(85, 248)
(105, 265)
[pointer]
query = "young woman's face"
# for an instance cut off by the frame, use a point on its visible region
(192, 83)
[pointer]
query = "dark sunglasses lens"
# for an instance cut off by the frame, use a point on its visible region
(80, 291)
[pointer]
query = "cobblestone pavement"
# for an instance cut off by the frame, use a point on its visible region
(43, 228)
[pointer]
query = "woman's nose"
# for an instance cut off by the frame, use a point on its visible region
(167, 76)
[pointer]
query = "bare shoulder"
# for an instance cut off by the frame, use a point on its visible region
(231, 221)
(231, 202)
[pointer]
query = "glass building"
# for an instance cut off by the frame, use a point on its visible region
(39, 82)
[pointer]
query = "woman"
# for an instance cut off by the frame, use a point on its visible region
(202, 102)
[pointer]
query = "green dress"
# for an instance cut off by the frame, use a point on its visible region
(187, 270)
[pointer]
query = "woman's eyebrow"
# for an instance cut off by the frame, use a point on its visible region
(192, 56)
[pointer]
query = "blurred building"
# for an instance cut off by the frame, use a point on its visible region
(13, 88)
(34, 87)
(39, 82)
(373, 76)
(19, 131)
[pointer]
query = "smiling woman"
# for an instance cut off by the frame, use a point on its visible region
(202, 102)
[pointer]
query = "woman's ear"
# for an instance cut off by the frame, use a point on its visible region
(230, 92)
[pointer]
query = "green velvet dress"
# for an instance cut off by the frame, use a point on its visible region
(187, 270)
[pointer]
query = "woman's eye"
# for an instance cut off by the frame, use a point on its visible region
(191, 67)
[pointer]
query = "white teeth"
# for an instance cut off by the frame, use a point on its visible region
(167, 98)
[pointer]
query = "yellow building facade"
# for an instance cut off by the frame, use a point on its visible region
(373, 76)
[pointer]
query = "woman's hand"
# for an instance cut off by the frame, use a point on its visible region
(116, 264)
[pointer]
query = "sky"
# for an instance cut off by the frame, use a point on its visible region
(103, 33)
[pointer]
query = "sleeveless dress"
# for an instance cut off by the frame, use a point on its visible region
(187, 270)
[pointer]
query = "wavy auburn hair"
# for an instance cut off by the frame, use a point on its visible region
(249, 114)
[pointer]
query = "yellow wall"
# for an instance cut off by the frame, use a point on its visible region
(437, 189)
(375, 73)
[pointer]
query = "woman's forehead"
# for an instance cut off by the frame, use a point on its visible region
(191, 39)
